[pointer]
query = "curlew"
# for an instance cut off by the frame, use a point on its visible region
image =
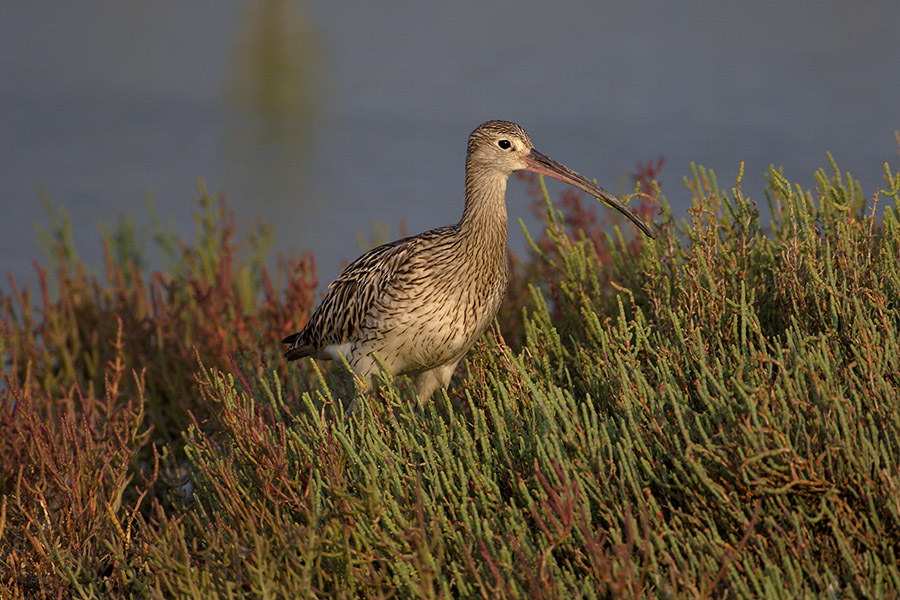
(421, 302)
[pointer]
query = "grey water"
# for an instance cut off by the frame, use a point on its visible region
(323, 118)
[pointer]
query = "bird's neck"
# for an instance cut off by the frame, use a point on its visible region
(484, 217)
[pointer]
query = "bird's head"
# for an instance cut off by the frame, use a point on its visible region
(500, 146)
(504, 147)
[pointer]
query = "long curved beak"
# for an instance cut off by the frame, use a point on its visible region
(544, 165)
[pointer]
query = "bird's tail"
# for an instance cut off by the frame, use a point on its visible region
(295, 349)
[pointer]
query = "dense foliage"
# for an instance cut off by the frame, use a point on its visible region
(714, 414)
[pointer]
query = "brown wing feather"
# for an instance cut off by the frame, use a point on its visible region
(350, 297)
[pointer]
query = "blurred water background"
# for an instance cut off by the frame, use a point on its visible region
(326, 117)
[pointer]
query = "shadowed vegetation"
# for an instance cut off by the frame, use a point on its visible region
(715, 414)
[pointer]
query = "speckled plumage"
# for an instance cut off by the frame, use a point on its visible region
(421, 302)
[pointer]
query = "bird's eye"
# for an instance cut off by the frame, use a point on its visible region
(505, 144)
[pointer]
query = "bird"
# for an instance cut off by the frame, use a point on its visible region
(416, 306)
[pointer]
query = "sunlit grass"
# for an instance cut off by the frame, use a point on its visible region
(715, 413)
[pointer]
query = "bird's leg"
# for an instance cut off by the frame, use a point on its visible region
(364, 387)
(351, 408)
(362, 379)
(428, 382)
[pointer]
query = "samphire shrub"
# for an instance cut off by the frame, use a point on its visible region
(713, 414)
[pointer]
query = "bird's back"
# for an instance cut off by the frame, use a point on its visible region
(349, 298)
